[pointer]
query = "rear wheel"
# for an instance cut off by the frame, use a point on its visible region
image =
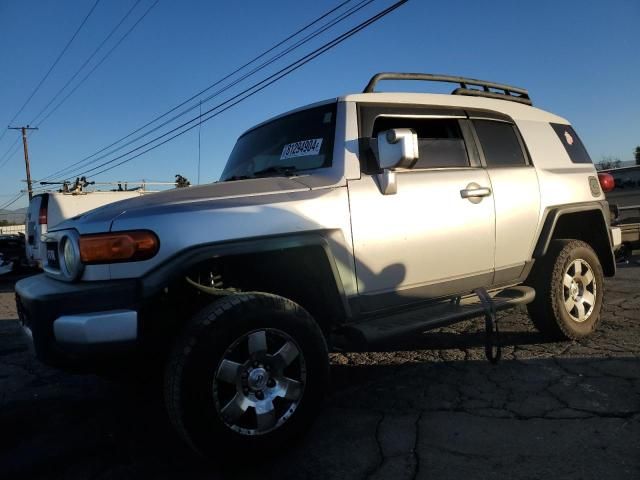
(569, 287)
(249, 374)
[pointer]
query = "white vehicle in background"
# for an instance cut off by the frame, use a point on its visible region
(47, 210)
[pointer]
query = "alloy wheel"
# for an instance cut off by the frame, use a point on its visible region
(259, 382)
(579, 290)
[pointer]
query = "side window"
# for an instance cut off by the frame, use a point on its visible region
(571, 142)
(440, 141)
(499, 143)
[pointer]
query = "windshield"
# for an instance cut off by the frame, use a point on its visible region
(300, 141)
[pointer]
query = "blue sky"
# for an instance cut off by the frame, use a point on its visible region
(578, 59)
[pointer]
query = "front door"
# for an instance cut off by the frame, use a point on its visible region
(436, 235)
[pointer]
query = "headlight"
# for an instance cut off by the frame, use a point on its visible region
(69, 253)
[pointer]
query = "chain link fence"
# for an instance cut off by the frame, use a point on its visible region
(12, 229)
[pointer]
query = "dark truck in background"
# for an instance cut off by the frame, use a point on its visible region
(12, 253)
(624, 202)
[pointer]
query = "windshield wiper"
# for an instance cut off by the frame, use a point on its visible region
(236, 177)
(286, 170)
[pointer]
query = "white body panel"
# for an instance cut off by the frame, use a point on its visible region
(560, 181)
(63, 206)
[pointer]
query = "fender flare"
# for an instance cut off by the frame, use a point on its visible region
(179, 264)
(553, 214)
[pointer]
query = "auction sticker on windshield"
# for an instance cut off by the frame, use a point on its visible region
(302, 148)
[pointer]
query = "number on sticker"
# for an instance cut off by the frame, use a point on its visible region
(302, 148)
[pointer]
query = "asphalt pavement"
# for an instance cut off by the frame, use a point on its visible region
(429, 407)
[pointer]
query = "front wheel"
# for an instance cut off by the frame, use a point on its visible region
(249, 374)
(569, 287)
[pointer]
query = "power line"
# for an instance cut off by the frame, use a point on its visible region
(15, 147)
(73, 77)
(84, 79)
(66, 47)
(205, 89)
(9, 150)
(273, 59)
(11, 202)
(266, 82)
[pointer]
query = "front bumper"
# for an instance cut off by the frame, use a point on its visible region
(74, 323)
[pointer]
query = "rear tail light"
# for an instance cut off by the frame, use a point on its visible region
(118, 247)
(44, 207)
(607, 182)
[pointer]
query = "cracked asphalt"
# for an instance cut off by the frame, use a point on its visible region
(426, 407)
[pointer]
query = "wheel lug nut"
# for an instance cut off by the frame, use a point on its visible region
(259, 395)
(271, 383)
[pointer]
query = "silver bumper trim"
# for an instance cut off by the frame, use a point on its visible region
(616, 237)
(27, 331)
(97, 327)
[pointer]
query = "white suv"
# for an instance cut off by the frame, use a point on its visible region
(338, 225)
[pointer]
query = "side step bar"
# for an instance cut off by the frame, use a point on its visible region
(375, 330)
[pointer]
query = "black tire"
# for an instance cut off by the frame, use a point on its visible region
(193, 389)
(548, 311)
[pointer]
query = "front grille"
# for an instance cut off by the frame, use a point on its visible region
(53, 261)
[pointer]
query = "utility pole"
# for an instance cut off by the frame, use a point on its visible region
(199, 130)
(26, 155)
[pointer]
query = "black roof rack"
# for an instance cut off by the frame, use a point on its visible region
(489, 89)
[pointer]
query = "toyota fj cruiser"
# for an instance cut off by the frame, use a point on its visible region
(338, 225)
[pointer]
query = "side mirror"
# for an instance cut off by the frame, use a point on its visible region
(397, 148)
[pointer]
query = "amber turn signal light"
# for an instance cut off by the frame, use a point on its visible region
(118, 247)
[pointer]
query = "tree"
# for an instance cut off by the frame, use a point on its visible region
(609, 162)
(637, 154)
(182, 182)
(605, 163)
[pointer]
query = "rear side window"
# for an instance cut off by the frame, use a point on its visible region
(572, 143)
(499, 143)
(440, 141)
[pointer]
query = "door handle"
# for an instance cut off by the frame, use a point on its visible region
(475, 192)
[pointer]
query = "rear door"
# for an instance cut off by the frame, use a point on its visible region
(516, 194)
(427, 240)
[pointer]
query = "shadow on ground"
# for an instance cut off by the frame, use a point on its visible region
(522, 419)
(425, 407)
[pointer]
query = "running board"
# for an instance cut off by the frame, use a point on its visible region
(372, 331)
